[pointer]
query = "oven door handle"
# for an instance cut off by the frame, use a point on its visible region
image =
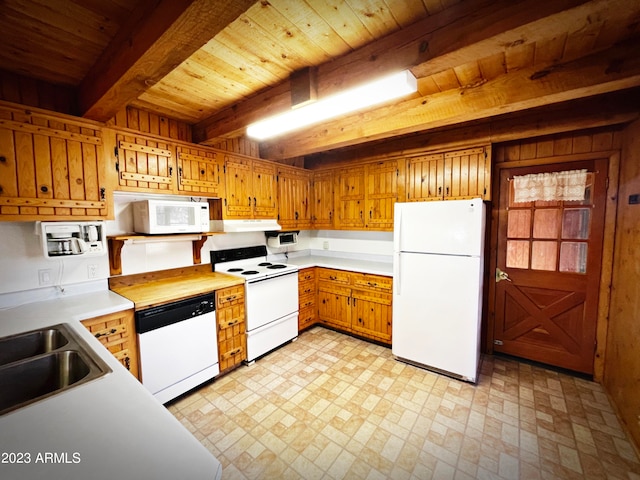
(258, 280)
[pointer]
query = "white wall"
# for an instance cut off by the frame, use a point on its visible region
(24, 265)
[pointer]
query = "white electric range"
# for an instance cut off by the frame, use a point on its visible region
(271, 296)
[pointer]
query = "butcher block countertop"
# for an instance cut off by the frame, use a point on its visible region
(156, 288)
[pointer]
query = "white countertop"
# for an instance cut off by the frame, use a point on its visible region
(111, 427)
(377, 265)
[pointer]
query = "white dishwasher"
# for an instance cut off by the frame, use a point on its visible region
(178, 346)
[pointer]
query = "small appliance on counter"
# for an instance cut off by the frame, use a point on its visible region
(67, 239)
(281, 239)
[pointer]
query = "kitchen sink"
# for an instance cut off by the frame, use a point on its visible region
(39, 364)
(31, 344)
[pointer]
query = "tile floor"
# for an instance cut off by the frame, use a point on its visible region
(329, 406)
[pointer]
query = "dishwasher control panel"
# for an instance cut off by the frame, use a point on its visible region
(173, 312)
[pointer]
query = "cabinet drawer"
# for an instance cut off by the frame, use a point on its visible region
(307, 301)
(306, 274)
(229, 296)
(306, 288)
(335, 276)
(306, 318)
(376, 282)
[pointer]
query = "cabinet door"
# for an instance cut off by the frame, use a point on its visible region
(116, 331)
(349, 199)
(230, 314)
(371, 316)
(425, 178)
(322, 208)
(334, 305)
(263, 191)
(293, 198)
(381, 193)
(200, 172)
(51, 168)
(467, 173)
(239, 202)
(144, 164)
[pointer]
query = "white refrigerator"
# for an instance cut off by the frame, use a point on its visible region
(437, 293)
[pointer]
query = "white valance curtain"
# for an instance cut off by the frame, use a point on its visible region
(554, 186)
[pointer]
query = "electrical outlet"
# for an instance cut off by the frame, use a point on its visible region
(44, 277)
(92, 270)
(325, 245)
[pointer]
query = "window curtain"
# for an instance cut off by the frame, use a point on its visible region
(565, 186)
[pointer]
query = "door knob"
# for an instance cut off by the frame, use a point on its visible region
(500, 275)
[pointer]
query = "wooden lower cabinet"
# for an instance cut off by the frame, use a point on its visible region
(230, 314)
(355, 303)
(307, 315)
(116, 331)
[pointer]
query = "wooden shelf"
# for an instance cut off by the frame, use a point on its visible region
(116, 242)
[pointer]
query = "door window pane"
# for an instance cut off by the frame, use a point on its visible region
(573, 257)
(517, 254)
(543, 255)
(546, 223)
(519, 224)
(575, 223)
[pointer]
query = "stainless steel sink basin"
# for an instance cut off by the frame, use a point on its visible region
(30, 344)
(39, 364)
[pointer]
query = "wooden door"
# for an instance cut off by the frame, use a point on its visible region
(467, 173)
(551, 253)
(116, 331)
(200, 172)
(51, 168)
(426, 178)
(322, 208)
(238, 202)
(334, 305)
(381, 193)
(144, 164)
(349, 202)
(263, 190)
(371, 316)
(293, 198)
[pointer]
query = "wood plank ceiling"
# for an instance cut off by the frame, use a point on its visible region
(221, 65)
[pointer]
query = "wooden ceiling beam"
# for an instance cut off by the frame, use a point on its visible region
(156, 39)
(615, 69)
(455, 36)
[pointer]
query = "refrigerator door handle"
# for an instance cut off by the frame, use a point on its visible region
(396, 275)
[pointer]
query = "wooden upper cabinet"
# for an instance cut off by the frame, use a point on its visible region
(450, 175)
(294, 185)
(349, 197)
(200, 171)
(381, 194)
(144, 164)
(323, 201)
(51, 168)
(264, 191)
(250, 188)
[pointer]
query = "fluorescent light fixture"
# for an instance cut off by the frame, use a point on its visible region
(373, 93)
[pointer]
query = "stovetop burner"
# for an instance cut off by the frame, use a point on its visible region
(264, 264)
(250, 272)
(235, 270)
(276, 266)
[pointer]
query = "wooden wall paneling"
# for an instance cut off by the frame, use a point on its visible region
(622, 362)
(148, 122)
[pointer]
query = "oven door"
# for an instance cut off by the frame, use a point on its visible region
(271, 298)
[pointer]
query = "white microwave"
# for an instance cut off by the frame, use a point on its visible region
(166, 216)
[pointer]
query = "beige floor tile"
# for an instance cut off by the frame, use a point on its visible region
(330, 406)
